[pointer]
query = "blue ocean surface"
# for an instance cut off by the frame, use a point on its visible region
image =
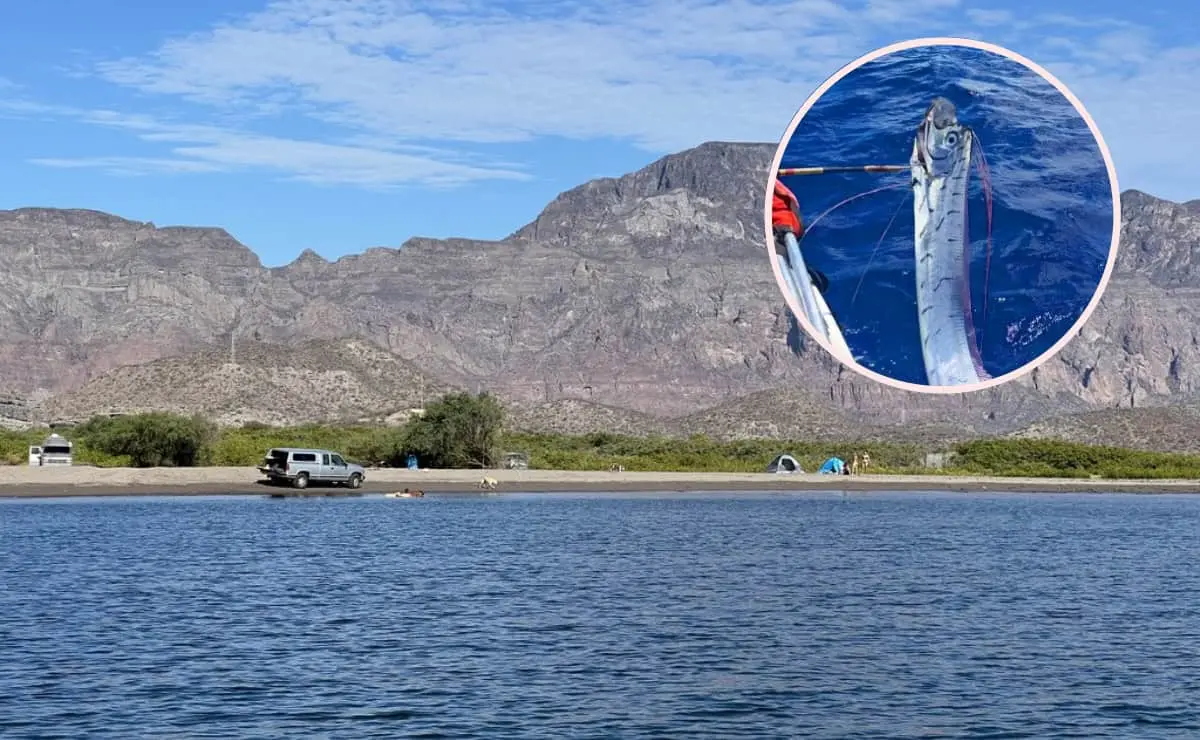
(1052, 205)
(594, 616)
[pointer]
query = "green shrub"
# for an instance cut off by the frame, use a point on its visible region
(14, 446)
(149, 440)
(457, 431)
(1056, 458)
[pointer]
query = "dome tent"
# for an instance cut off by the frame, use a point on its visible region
(833, 466)
(784, 464)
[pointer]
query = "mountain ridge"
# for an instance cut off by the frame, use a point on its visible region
(649, 292)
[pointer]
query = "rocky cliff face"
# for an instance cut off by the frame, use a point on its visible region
(85, 292)
(649, 293)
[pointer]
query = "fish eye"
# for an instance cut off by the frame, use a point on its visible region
(951, 138)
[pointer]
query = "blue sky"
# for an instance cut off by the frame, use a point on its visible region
(338, 125)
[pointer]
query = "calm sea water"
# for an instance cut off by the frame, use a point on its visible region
(584, 616)
(1052, 219)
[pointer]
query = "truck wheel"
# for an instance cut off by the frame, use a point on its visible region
(301, 481)
(355, 481)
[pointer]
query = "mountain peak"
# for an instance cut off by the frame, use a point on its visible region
(308, 258)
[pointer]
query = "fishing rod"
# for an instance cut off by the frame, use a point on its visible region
(792, 171)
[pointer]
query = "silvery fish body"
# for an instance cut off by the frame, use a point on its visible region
(941, 165)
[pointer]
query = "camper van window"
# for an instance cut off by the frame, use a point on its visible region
(56, 450)
(304, 457)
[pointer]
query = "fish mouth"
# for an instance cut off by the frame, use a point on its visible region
(941, 114)
(938, 128)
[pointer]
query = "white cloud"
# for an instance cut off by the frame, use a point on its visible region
(985, 17)
(128, 165)
(402, 84)
(207, 149)
(655, 73)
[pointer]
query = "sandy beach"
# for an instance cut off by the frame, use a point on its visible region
(30, 482)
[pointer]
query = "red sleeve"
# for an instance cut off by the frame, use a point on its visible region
(785, 210)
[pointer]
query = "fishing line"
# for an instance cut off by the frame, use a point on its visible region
(985, 179)
(878, 244)
(848, 201)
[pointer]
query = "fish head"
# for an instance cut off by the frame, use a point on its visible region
(941, 140)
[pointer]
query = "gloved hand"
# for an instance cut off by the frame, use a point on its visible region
(785, 218)
(785, 212)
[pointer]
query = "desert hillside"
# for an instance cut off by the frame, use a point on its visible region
(641, 302)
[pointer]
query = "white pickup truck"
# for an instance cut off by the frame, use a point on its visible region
(300, 467)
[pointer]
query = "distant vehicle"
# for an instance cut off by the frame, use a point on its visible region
(516, 461)
(300, 467)
(54, 450)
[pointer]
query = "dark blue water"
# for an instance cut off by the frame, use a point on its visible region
(1052, 217)
(547, 616)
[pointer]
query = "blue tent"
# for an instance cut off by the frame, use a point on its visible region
(834, 466)
(412, 462)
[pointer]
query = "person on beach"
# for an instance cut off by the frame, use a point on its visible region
(785, 219)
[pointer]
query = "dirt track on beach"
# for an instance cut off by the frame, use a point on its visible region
(24, 481)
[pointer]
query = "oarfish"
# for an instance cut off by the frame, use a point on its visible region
(941, 165)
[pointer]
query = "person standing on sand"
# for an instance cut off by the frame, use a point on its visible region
(785, 219)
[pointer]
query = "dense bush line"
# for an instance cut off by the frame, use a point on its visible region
(458, 431)
(1054, 458)
(462, 430)
(698, 453)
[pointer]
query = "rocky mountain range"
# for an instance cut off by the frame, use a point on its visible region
(644, 302)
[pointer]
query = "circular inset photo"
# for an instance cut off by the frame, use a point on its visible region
(942, 215)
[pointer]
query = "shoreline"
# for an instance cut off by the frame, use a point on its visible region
(23, 482)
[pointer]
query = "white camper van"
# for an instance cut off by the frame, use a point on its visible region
(54, 450)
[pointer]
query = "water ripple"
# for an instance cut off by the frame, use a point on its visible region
(763, 616)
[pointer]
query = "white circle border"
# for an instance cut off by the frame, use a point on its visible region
(1067, 336)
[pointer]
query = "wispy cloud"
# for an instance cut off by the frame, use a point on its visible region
(129, 165)
(401, 85)
(650, 73)
(209, 149)
(990, 17)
